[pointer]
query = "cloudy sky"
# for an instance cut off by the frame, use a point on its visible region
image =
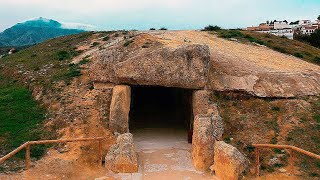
(143, 14)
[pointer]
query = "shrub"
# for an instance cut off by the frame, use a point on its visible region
(152, 29)
(268, 36)
(317, 59)
(231, 34)
(252, 39)
(279, 49)
(63, 55)
(211, 28)
(94, 44)
(84, 61)
(163, 29)
(313, 39)
(298, 55)
(127, 43)
(275, 108)
(106, 38)
(73, 71)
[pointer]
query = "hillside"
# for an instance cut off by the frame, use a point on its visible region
(281, 44)
(263, 96)
(34, 31)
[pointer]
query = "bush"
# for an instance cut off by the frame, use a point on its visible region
(127, 43)
(231, 34)
(313, 39)
(84, 61)
(63, 55)
(317, 60)
(252, 39)
(106, 38)
(152, 29)
(94, 44)
(275, 108)
(298, 55)
(163, 29)
(279, 49)
(74, 71)
(211, 28)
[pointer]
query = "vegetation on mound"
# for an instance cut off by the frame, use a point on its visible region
(43, 65)
(295, 122)
(280, 44)
(21, 119)
(313, 39)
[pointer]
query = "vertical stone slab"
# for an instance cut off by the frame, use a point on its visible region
(229, 162)
(207, 128)
(103, 92)
(202, 143)
(122, 157)
(119, 109)
(202, 102)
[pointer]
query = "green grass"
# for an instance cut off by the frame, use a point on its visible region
(56, 53)
(21, 118)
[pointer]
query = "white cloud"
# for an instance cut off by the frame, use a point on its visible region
(86, 27)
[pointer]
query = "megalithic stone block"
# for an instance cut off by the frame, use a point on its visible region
(119, 109)
(207, 129)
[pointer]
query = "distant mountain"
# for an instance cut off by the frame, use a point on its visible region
(38, 30)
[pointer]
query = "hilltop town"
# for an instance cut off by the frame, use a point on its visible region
(284, 28)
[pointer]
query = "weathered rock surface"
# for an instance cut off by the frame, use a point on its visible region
(185, 66)
(119, 109)
(229, 162)
(202, 102)
(198, 60)
(256, 70)
(122, 157)
(206, 130)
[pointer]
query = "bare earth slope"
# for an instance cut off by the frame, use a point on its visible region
(257, 70)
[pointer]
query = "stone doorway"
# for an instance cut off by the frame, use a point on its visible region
(160, 107)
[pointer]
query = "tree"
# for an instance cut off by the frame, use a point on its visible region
(313, 39)
(319, 17)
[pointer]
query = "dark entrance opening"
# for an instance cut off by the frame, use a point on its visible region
(160, 107)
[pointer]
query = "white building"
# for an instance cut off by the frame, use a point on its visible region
(281, 25)
(308, 29)
(305, 22)
(287, 32)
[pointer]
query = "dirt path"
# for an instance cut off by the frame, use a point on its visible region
(163, 154)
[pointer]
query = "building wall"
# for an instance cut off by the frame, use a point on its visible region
(281, 25)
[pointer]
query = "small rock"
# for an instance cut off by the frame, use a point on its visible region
(282, 170)
(273, 161)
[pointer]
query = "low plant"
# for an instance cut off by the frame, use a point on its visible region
(127, 43)
(211, 28)
(106, 38)
(63, 55)
(298, 55)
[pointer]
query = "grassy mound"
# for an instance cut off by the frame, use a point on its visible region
(281, 44)
(21, 119)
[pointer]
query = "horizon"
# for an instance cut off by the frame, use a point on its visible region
(143, 14)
